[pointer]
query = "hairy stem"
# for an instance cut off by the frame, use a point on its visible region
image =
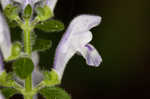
(27, 50)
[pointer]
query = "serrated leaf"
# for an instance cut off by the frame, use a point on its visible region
(9, 92)
(23, 67)
(27, 11)
(11, 11)
(50, 26)
(54, 93)
(51, 78)
(42, 45)
(43, 13)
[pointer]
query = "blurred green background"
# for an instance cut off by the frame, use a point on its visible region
(123, 42)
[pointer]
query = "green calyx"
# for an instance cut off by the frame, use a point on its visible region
(43, 13)
(51, 78)
(6, 79)
(27, 12)
(15, 51)
(11, 12)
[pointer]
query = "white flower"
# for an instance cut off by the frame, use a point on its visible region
(5, 40)
(76, 40)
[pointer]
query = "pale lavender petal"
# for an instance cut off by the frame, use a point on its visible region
(19, 1)
(84, 23)
(37, 76)
(78, 27)
(91, 55)
(51, 4)
(1, 64)
(4, 3)
(35, 96)
(61, 60)
(76, 37)
(35, 58)
(1, 96)
(5, 40)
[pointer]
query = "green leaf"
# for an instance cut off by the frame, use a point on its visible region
(27, 12)
(23, 67)
(15, 51)
(9, 92)
(12, 24)
(41, 45)
(6, 79)
(33, 38)
(43, 13)
(54, 93)
(50, 26)
(51, 78)
(11, 12)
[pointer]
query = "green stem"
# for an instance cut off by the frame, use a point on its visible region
(28, 84)
(27, 49)
(27, 42)
(27, 97)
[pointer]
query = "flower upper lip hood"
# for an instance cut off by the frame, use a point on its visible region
(5, 40)
(76, 40)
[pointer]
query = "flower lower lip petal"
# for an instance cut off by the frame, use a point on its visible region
(91, 55)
